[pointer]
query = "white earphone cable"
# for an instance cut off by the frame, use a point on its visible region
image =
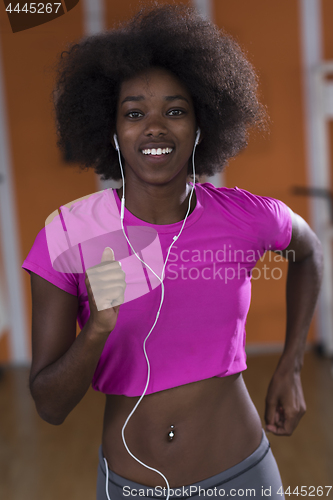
(158, 312)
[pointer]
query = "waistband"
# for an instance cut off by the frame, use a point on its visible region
(223, 477)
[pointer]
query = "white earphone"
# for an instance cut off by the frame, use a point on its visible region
(116, 141)
(161, 279)
(197, 136)
(198, 132)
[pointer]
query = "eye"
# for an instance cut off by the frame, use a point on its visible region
(176, 112)
(132, 113)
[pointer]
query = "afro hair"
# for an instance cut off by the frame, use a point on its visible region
(220, 79)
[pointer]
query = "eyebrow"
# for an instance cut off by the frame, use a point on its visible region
(142, 98)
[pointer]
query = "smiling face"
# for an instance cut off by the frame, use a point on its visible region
(155, 127)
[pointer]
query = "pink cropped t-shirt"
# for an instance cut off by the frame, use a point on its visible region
(200, 332)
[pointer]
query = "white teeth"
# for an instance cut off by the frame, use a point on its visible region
(157, 152)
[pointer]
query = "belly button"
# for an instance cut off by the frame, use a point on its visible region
(171, 434)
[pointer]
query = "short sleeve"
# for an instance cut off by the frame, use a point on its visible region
(272, 220)
(38, 261)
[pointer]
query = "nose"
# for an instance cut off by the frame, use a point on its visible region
(155, 126)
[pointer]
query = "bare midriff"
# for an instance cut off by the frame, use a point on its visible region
(216, 426)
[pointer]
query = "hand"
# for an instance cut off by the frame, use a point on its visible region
(285, 404)
(106, 285)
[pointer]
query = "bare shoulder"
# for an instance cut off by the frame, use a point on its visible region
(303, 239)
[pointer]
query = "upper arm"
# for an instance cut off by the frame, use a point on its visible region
(54, 313)
(303, 240)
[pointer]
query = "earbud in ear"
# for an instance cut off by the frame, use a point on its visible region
(197, 136)
(116, 141)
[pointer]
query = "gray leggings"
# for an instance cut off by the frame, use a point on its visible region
(256, 476)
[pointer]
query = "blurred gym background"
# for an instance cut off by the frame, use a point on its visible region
(290, 43)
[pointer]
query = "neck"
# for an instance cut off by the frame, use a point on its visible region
(162, 205)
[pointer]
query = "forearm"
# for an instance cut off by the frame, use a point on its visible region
(303, 286)
(59, 387)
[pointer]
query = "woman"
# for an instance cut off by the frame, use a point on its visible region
(141, 102)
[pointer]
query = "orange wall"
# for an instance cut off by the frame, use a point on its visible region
(270, 166)
(327, 18)
(40, 182)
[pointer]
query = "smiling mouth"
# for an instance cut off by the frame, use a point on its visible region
(157, 152)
